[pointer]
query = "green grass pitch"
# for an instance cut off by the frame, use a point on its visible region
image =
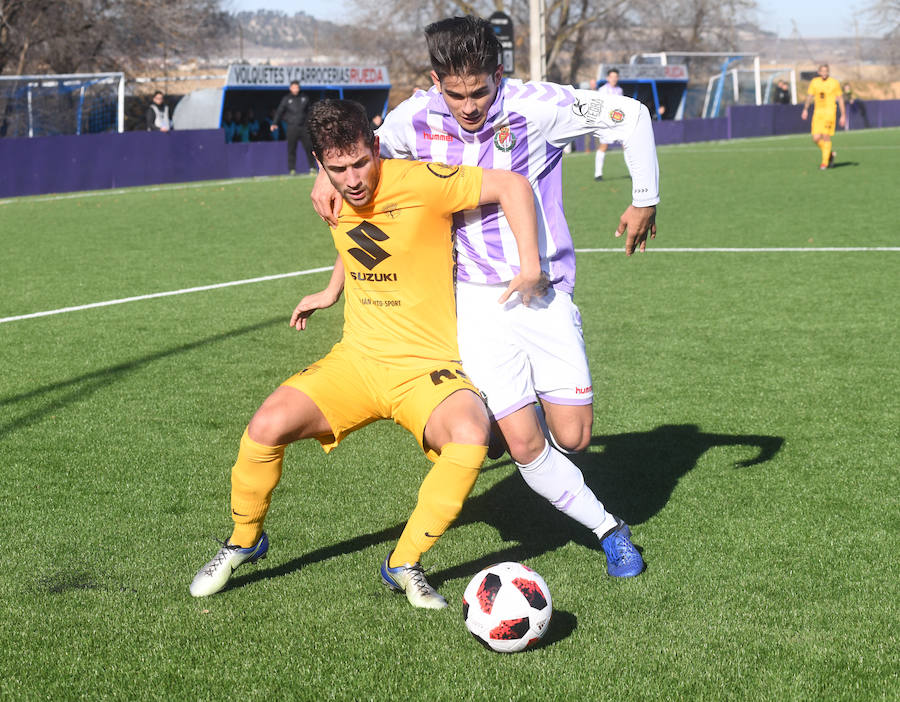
(746, 425)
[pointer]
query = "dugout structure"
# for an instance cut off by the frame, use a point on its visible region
(657, 86)
(62, 104)
(261, 88)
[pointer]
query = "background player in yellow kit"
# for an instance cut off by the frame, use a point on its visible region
(398, 355)
(825, 90)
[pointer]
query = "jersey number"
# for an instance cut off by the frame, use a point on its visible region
(369, 253)
(438, 376)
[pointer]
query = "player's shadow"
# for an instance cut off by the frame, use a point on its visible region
(634, 475)
(842, 164)
(58, 395)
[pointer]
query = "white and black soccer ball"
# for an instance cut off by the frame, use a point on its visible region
(507, 607)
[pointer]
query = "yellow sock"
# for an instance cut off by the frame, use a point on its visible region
(441, 497)
(825, 146)
(253, 478)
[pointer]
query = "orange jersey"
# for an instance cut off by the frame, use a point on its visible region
(398, 261)
(825, 92)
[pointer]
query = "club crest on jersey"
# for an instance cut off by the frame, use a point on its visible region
(617, 116)
(504, 139)
(442, 170)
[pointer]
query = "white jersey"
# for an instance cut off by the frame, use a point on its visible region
(526, 129)
(607, 89)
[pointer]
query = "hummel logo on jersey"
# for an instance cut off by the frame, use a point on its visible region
(431, 136)
(369, 254)
(374, 277)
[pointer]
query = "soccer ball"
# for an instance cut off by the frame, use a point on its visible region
(507, 607)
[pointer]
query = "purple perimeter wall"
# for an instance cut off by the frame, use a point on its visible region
(98, 161)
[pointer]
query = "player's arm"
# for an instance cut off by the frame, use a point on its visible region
(615, 118)
(638, 221)
(514, 194)
(279, 113)
(326, 200)
(806, 104)
(842, 106)
(320, 300)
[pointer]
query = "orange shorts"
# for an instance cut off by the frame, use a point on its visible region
(823, 124)
(353, 389)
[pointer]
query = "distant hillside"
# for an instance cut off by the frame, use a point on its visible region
(298, 32)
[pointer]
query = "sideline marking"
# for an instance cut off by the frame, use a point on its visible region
(261, 279)
(169, 293)
(786, 249)
(139, 189)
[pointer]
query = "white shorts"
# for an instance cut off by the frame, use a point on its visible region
(516, 354)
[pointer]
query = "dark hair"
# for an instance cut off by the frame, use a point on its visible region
(462, 46)
(613, 70)
(159, 92)
(338, 125)
(295, 82)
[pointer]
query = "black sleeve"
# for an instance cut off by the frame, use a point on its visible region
(279, 113)
(304, 114)
(151, 120)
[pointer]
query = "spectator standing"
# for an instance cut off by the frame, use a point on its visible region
(782, 93)
(228, 125)
(241, 128)
(294, 108)
(853, 104)
(253, 124)
(158, 114)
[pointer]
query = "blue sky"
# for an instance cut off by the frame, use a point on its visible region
(814, 18)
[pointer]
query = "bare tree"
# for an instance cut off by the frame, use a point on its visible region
(884, 18)
(577, 32)
(66, 36)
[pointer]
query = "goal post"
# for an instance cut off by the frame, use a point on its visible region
(54, 104)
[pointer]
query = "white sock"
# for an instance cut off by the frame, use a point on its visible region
(598, 162)
(555, 478)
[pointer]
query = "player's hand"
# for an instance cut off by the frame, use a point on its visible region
(326, 200)
(528, 286)
(843, 121)
(637, 223)
(273, 127)
(308, 305)
(804, 114)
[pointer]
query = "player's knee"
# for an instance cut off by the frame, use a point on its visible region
(574, 437)
(270, 427)
(474, 431)
(524, 448)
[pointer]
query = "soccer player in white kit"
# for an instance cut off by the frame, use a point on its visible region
(610, 87)
(520, 355)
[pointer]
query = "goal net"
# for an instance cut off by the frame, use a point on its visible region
(47, 105)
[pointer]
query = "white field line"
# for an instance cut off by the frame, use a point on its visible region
(216, 286)
(784, 249)
(138, 189)
(169, 293)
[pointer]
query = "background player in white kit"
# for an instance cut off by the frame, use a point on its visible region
(518, 355)
(610, 87)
